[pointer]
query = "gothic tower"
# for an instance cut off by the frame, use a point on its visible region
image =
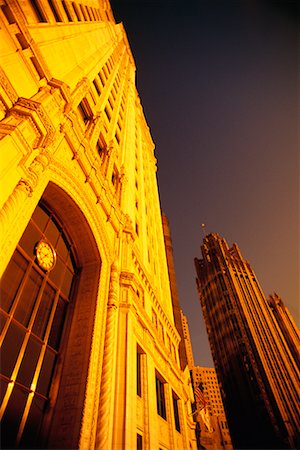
(254, 349)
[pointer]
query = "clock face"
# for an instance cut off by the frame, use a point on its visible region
(45, 255)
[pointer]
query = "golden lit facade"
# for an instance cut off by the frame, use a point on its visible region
(90, 350)
(255, 347)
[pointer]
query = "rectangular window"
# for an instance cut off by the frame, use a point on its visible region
(55, 11)
(139, 372)
(139, 441)
(65, 6)
(160, 397)
(37, 67)
(107, 112)
(76, 10)
(83, 111)
(97, 86)
(38, 10)
(176, 412)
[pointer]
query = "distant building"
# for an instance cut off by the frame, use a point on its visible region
(215, 434)
(212, 429)
(187, 341)
(255, 348)
(90, 350)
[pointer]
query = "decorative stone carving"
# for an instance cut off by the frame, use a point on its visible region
(64, 91)
(80, 91)
(7, 86)
(44, 127)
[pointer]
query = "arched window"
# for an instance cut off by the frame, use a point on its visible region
(36, 291)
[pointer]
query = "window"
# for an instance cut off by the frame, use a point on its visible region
(38, 10)
(65, 6)
(176, 412)
(97, 86)
(115, 178)
(160, 396)
(139, 441)
(101, 148)
(34, 306)
(139, 372)
(55, 11)
(83, 110)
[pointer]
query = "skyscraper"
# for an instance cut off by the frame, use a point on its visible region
(89, 344)
(254, 343)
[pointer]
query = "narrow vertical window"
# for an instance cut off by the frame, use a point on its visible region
(84, 111)
(160, 397)
(55, 11)
(65, 6)
(176, 412)
(139, 441)
(138, 372)
(38, 10)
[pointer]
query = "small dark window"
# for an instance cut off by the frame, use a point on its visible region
(100, 149)
(97, 86)
(8, 14)
(37, 67)
(139, 441)
(67, 11)
(83, 111)
(75, 7)
(38, 11)
(160, 397)
(176, 412)
(115, 178)
(22, 40)
(108, 115)
(55, 11)
(84, 13)
(138, 372)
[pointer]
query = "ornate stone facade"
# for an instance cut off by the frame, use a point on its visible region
(77, 154)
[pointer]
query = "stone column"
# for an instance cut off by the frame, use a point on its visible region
(106, 411)
(10, 212)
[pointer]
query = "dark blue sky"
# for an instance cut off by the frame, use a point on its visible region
(218, 84)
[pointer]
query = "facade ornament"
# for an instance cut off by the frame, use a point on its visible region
(8, 87)
(35, 111)
(36, 168)
(65, 92)
(80, 91)
(13, 204)
(93, 132)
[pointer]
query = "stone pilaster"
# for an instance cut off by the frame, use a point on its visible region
(9, 213)
(105, 413)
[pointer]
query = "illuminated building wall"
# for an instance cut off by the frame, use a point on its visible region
(90, 350)
(254, 343)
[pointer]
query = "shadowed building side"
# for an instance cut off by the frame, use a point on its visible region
(174, 291)
(254, 355)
